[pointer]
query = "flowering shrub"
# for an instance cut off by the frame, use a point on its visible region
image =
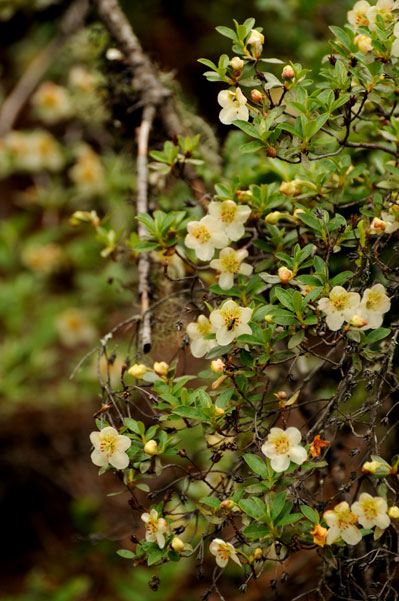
(298, 342)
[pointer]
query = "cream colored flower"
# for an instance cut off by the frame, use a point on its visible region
(197, 330)
(364, 43)
(155, 528)
(230, 263)
(282, 446)
(88, 172)
(358, 15)
(110, 447)
(80, 78)
(33, 151)
(340, 306)
(51, 102)
(217, 366)
(393, 512)
(204, 236)
(374, 304)
(223, 552)
(234, 106)
(386, 225)
(371, 511)
(237, 63)
(230, 321)
(256, 40)
(341, 525)
(384, 9)
(74, 328)
(137, 370)
(45, 258)
(231, 217)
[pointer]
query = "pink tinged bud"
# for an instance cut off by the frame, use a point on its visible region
(288, 72)
(285, 274)
(358, 322)
(161, 368)
(217, 366)
(256, 96)
(364, 43)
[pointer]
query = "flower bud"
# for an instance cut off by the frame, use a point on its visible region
(273, 217)
(227, 505)
(177, 544)
(237, 63)
(281, 395)
(271, 152)
(113, 54)
(364, 43)
(161, 369)
(256, 95)
(137, 370)
(269, 318)
(291, 188)
(151, 447)
(358, 321)
(244, 195)
(219, 411)
(256, 40)
(378, 226)
(376, 467)
(393, 512)
(258, 553)
(215, 385)
(297, 212)
(288, 72)
(217, 366)
(285, 275)
(79, 217)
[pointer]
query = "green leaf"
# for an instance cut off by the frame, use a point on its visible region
(256, 531)
(247, 128)
(218, 351)
(257, 465)
(278, 505)
(310, 514)
(253, 507)
(155, 557)
(289, 519)
(376, 335)
(189, 412)
(227, 32)
(296, 339)
(284, 297)
(134, 426)
(251, 147)
(211, 502)
(126, 553)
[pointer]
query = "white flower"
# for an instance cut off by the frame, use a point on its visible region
(282, 446)
(110, 447)
(230, 321)
(340, 306)
(197, 330)
(88, 172)
(358, 15)
(371, 511)
(395, 45)
(223, 552)
(51, 102)
(340, 521)
(74, 328)
(374, 304)
(80, 78)
(383, 8)
(155, 528)
(256, 40)
(33, 151)
(233, 103)
(204, 236)
(386, 225)
(230, 217)
(229, 263)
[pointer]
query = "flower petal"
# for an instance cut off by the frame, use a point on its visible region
(119, 460)
(280, 463)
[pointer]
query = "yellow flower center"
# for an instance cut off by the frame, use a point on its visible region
(374, 301)
(340, 302)
(231, 318)
(201, 234)
(231, 264)
(369, 509)
(204, 327)
(281, 445)
(345, 519)
(152, 525)
(228, 212)
(361, 19)
(223, 552)
(107, 445)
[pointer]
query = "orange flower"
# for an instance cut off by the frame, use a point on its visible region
(317, 444)
(319, 535)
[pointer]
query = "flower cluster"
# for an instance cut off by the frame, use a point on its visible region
(363, 313)
(225, 220)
